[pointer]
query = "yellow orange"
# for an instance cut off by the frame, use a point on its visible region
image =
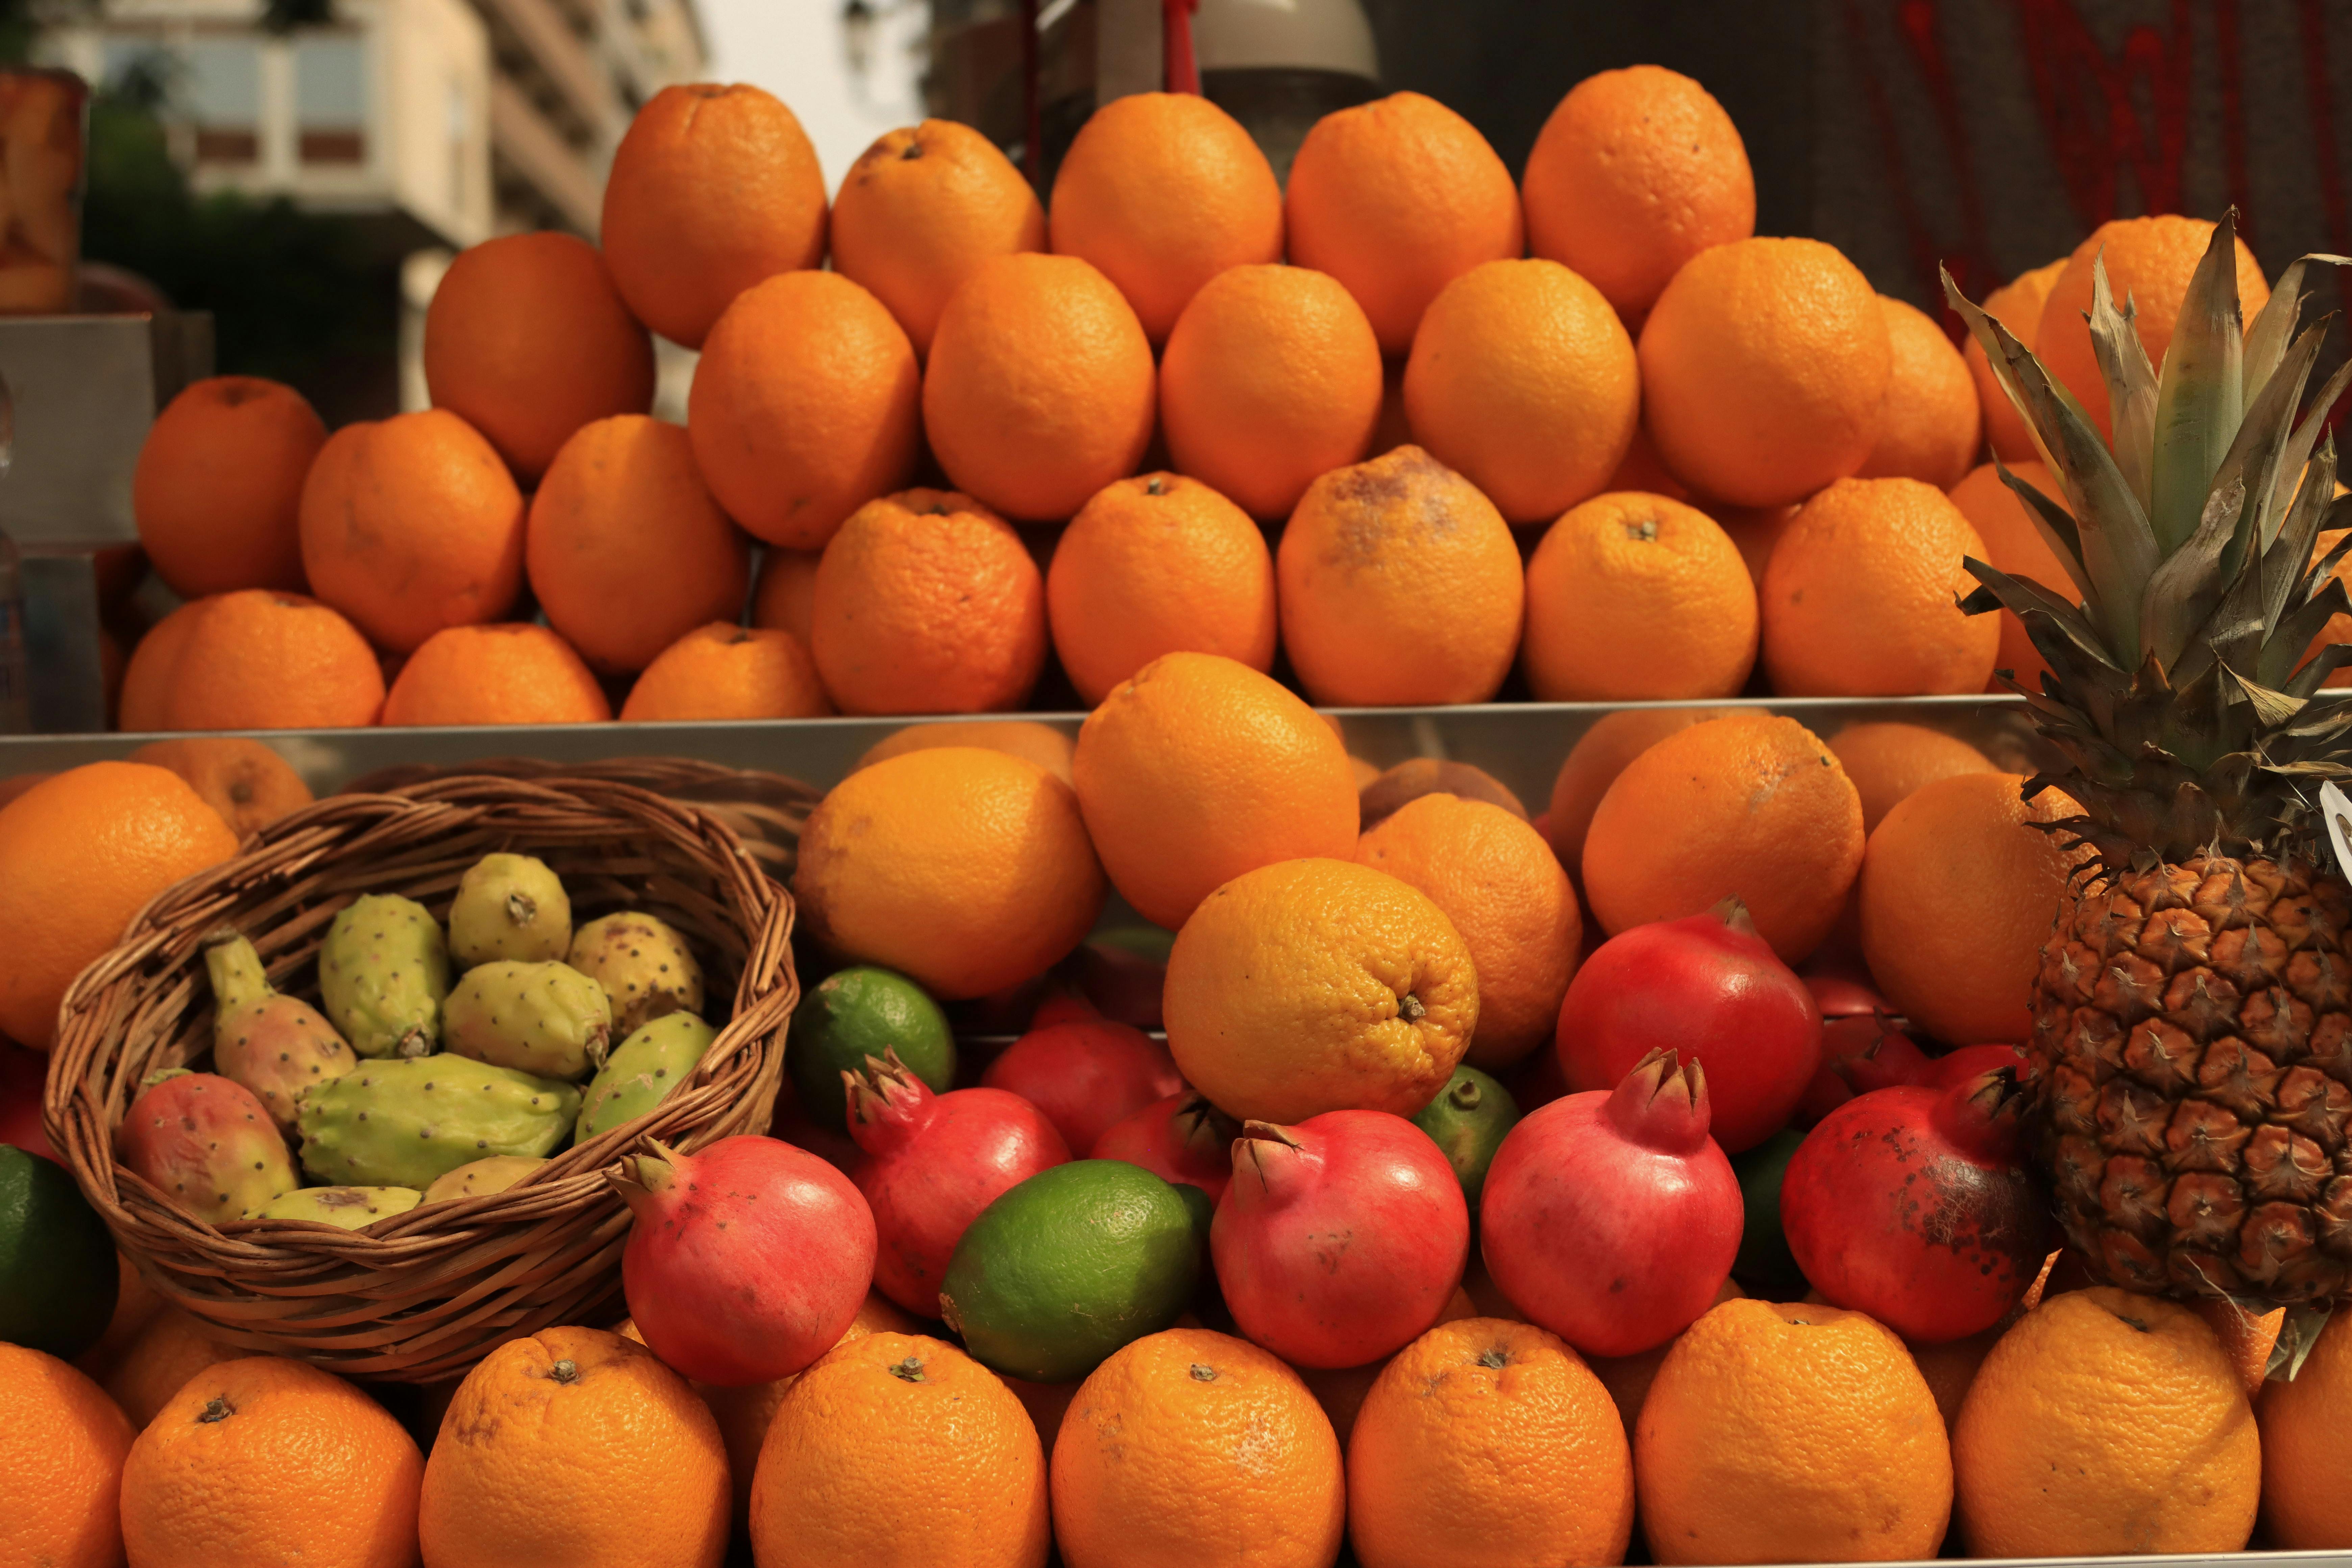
(261, 660)
(1931, 428)
(1027, 739)
(2014, 544)
(217, 491)
(1889, 759)
(509, 674)
(1635, 597)
(2306, 1473)
(2016, 305)
(1594, 763)
(724, 671)
(62, 1442)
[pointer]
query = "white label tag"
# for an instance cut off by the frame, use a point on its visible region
(2336, 807)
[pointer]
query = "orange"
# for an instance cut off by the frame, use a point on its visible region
(1755, 530)
(1198, 769)
(1158, 564)
(1860, 596)
(1162, 191)
(1389, 791)
(256, 659)
(511, 674)
(1340, 1391)
(1499, 883)
(1040, 386)
(250, 786)
(927, 603)
(2149, 260)
(173, 1348)
(920, 210)
(1790, 1433)
(1523, 378)
(712, 189)
(1399, 585)
(1271, 377)
(1027, 739)
(1189, 1447)
(2016, 305)
(784, 597)
(527, 340)
(2339, 625)
(965, 1474)
(2014, 544)
(574, 1446)
(1764, 371)
(1636, 172)
(1489, 1441)
(966, 869)
(627, 552)
(1642, 469)
(1594, 763)
(80, 853)
(1931, 428)
(1957, 894)
(1313, 985)
(218, 485)
(1888, 761)
(2247, 1338)
(1951, 1369)
(61, 1446)
(264, 1459)
(724, 671)
(1754, 805)
(2104, 1424)
(1635, 597)
(136, 1304)
(413, 524)
(147, 679)
(1628, 1377)
(1396, 198)
(804, 406)
(2306, 1472)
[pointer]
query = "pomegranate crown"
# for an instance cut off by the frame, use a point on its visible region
(1662, 1102)
(644, 1177)
(1984, 1115)
(1733, 911)
(884, 1094)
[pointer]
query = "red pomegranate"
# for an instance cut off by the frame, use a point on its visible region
(1974, 1061)
(1861, 1052)
(1087, 1074)
(932, 1164)
(21, 1073)
(1181, 1138)
(747, 1261)
(1913, 1205)
(1612, 1218)
(1713, 992)
(1123, 983)
(1340, 1238)
(1063, 1008)
(1841, 996)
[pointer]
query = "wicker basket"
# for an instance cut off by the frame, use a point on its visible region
(422, 1295)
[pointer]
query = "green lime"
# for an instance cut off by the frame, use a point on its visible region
(57, 1270)
(1075, 1262)
(1765, 1264)
(1467, 1120)
(861, 1012)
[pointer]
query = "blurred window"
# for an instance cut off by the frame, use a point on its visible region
(331, 99)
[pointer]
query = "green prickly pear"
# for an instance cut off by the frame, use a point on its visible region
(383, 972)
(206, 1143)
(348, 1209)
(510, 907)
(644, 1071)
(644, 967)
(478, 1178)
(275, 1044)
(543, 1018)
(408, 1123)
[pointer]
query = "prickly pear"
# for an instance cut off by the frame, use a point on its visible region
(273, 1043)
(644, 967)
(644, 1071)
(348, 1209)
(206, 1143)
(383, 972)
(408, 1123)
(479, 1178)
(509, 907)
(543, 1018)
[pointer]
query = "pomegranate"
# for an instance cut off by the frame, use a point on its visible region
(931, 1163)
(1183, 1140)
(1974, 1061)
(1124, 973)
(1861, 1052)
(1710, 990)
(1913, 1205)
(1840, 996)
(1612, 1218)
(1340, 1238)
(747, 1261)
(1087, 1075)
(1063, 1008)
(21, 1073)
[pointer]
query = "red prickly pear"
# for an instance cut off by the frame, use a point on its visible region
(275, 1044)
(1086, 1074)
(206, 1143)
(1339, 1239)
(1183, 1140)
(1912, 1205)
(1711, 990)
(931, 1163)
(1612, 1218)
(747, 1261)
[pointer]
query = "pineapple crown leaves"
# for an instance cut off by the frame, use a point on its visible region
(2178, 691)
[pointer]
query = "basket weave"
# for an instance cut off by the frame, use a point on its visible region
(424, 1294)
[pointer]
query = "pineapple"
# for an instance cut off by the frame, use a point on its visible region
(2193, 1010)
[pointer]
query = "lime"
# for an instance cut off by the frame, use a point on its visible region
(861, 1012)
(1070, 1265)
(1765, 1264)
(1467, 1122)
(57, 1270)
